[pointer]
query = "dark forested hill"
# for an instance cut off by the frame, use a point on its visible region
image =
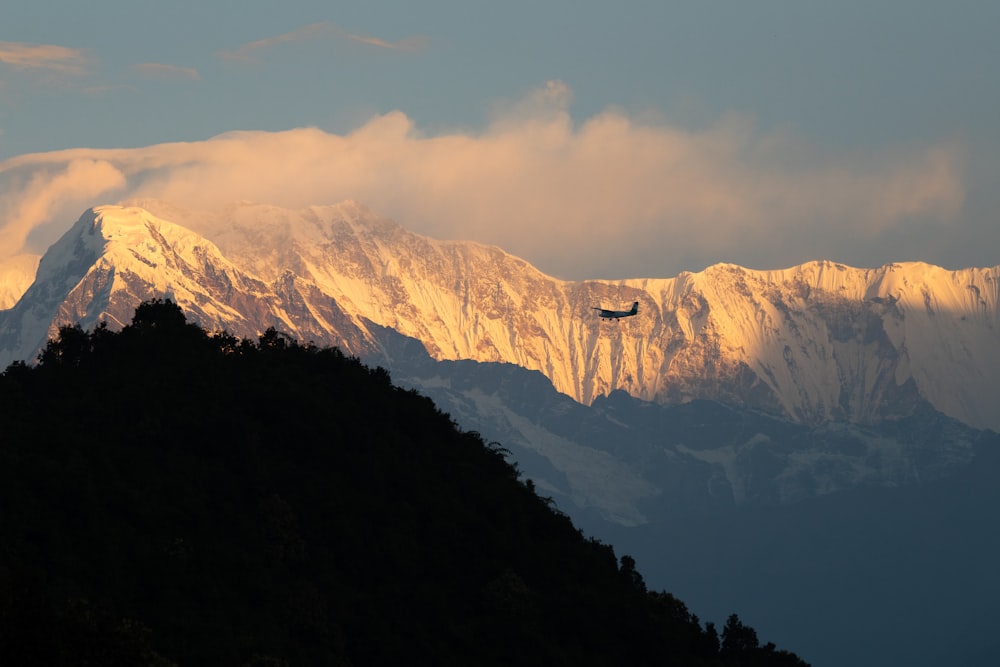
(170, 496)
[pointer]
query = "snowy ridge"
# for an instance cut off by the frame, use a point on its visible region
(830, 341)
(815, 342)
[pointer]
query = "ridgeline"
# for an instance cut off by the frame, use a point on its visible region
(173, 496)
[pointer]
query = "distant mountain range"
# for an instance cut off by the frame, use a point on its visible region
(812, 343)
(732, 393)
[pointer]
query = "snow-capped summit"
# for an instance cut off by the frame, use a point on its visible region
(115, 257)
(814, 342)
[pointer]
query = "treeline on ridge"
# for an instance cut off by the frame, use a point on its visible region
(173, 496)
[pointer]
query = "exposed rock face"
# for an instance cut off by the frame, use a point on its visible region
(814, 343)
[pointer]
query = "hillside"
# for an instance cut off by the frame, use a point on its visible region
(176, 497)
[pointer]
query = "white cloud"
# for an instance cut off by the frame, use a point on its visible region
(611, 197)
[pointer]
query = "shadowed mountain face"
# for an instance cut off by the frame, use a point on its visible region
(811, 343)
(629, 461)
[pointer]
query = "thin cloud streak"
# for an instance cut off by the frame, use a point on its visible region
(409, 44)
(610, 198)
(167, 71)
(322, 30)
(59, 59)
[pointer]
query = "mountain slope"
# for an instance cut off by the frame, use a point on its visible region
(815, 342)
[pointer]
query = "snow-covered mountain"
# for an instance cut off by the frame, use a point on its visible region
(815, 342)
(114, 258)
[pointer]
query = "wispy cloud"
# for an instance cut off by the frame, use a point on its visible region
(45, 57)
(322, 30)
(611, 197)
(411, 44)
(161, 70)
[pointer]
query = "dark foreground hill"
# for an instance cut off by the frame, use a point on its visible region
(169, 496)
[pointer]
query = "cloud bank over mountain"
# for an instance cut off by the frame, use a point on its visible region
(617, 195)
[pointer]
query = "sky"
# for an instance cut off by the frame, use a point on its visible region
(593, 139)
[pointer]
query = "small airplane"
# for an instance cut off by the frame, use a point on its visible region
(617, 314)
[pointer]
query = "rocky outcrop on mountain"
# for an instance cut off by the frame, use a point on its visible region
(813, 343)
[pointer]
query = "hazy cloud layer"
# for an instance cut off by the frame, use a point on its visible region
(612, 197)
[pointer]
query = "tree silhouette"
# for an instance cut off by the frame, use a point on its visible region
(738, 640)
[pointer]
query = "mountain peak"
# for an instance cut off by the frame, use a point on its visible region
(116, 256)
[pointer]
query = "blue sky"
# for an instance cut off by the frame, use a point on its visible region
(607, 140)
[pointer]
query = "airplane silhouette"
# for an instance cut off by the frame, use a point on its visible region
(617, 314)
